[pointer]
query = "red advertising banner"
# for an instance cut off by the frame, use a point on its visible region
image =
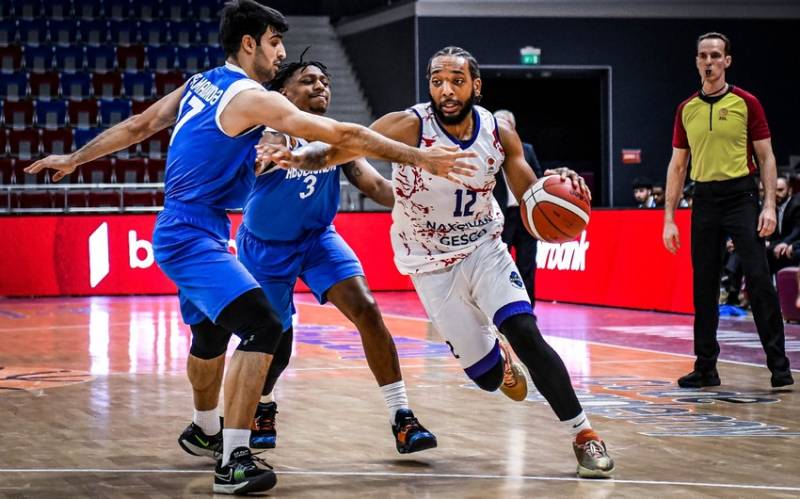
(618, 261)
(113, 254)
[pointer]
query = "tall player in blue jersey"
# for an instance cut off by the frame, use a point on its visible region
(218, 117)
(302, 243)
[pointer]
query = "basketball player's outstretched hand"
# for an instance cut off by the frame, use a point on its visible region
(448, 162)
(62, 163)
(280, 155)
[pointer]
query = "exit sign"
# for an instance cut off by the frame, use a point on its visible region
(530, 56)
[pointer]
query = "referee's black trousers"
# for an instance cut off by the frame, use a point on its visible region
(731, 207)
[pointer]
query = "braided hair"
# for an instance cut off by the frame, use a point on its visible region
(474, 69)
(288, 69)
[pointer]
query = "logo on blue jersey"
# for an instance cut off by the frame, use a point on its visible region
(516, 280)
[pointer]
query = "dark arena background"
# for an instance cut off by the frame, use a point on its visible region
(93, 384)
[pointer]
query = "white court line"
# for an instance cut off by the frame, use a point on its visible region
(421, 475)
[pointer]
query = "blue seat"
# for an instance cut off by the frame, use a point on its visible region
(83, 135)
(14, 86)
(38, 59)
(27, 9)
(32, 32)
(191, 59)
(154, 32)
(123, 32)
(76, 86)
(184, 33)
(146, 9)
(88, 9)
(117, 9)
(8, 31)
(216, 56)
(93, 31)
(51, 113)
(206, 9)
(6, 11)
(176, 11)
(112, 111)
(161, 59)
(69, 59)
(57, 10)
(101, 59)
(208, 32)
(138, 86)
(64, 32)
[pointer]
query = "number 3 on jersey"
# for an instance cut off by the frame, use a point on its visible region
(467, 207)
(310, 181)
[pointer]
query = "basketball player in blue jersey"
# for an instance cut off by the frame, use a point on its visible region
(218, 117)
(302, 243)
(463, 274)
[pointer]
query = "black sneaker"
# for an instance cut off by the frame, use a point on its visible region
(410, 436)
(262, 429)
(242, 475)
(195, 442)
(781, 378)
(699, 379)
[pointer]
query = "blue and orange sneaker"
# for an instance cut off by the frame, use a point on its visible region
(262, 429)
(410, 436)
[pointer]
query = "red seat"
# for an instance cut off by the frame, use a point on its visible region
(130, 171)
(107, 85)
(105, 199)
(10, 58)
(155, 147)
(77, 198)
(139, 198)
(43, 85)
(138, 106)
(30, 199)
(160, 198)
(6, 171)
(56, 141)
(787, 293)
(18, 114)
(155, 170)
(22, 178)
(130, 58)
(24, 144)
(83, 114)
(3, 141)
(167, 82)
(99, 171)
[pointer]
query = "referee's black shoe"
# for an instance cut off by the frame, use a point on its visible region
(781, 378)
(699, 379)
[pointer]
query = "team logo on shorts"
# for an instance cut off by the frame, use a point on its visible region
(516, 280)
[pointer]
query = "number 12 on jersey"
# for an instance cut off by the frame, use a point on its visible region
(467, 210)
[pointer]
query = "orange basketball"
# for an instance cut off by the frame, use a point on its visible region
(553, 211)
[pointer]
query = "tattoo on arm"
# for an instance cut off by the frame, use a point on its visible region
(353, 173)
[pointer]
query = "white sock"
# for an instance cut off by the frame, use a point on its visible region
(395, 396)
(577, 424)
(266, 399)
(208, 421)
(231, 439)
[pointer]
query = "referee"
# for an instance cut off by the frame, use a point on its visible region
(720, 127)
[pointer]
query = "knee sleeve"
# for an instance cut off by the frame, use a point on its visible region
(280, 361)
(491, 379)
(521, 331)
(209, 341)
(251, 318)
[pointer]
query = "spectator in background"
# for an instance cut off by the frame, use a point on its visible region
(643, 192)
(686, 196)
(787, 230)
(721, 127)
(514, 233)
(658, 194)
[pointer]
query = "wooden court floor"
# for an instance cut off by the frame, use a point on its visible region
(93, 395)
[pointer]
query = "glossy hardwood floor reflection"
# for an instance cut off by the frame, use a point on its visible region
(93, 394)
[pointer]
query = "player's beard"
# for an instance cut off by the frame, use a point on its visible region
(454, 119)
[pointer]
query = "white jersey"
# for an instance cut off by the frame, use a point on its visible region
(438, 223)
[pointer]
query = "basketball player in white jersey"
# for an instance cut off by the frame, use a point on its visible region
(446, 236)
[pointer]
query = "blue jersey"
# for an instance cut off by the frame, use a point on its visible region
(204, 164)
(287, 204)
